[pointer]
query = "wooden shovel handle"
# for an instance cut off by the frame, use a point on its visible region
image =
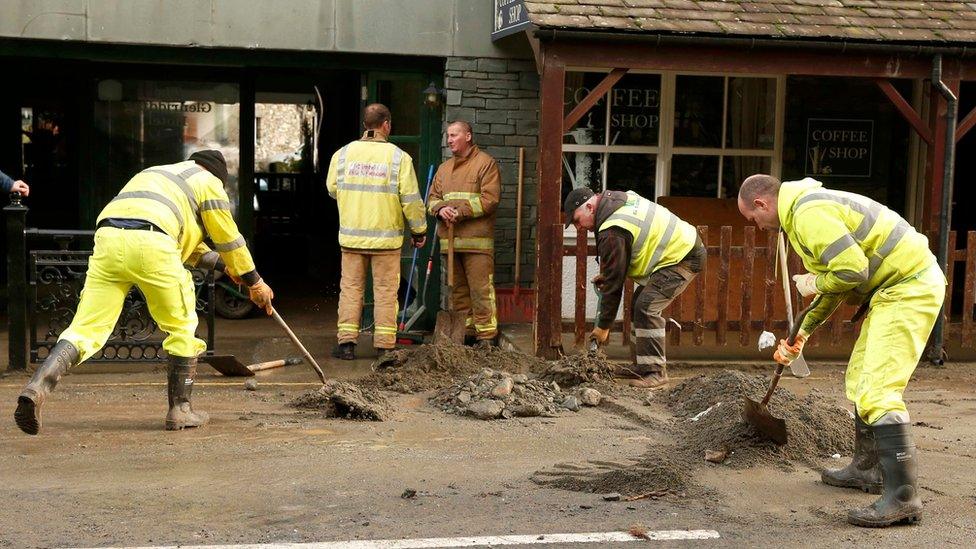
(791, 339)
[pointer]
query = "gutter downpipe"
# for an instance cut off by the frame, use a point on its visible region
(938, 332)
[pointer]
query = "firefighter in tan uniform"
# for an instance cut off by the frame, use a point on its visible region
(465, 194)
(144, 236)
(375, 184)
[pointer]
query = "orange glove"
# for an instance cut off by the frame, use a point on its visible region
(600, 335)
(262, 295)
(786, 353)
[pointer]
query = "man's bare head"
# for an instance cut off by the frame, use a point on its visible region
(375, 115)
(758, 197)
(459, 137)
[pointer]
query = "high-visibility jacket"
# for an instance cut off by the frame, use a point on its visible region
(188, 203)
(376, 187)
(661, 239)
(472, 185)
(853, 244)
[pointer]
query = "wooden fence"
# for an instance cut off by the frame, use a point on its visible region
(739, 291)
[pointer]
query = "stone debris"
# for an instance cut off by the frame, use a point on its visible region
(576, 369)
(492, 394)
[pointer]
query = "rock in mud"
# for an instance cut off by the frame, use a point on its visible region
(571, 403)
(490, 394)
(251, 384)
(345, 400)
(486, 409)
(590, 397)
(503, 388)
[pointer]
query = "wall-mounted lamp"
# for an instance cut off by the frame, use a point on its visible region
(432, 96)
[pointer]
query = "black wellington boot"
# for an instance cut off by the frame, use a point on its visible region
(864, 471)
(179, 381)
(345, 351)
(899, 501)
(63, 356)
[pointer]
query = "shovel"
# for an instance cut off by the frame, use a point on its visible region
(798, 367)
(756, 413)
(298, 343)
(228, 365)
(449, 327)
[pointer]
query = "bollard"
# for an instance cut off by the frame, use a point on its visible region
(16, 214)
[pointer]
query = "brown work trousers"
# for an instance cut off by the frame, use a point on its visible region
(386, 281)
(474, 293)
(648, 304)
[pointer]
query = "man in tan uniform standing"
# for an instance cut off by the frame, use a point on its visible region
(376, 187)
(465, 194)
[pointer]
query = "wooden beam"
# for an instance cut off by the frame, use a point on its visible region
(591, 99)
(905, 109)
(935, 165)
(726, 60)
(549, 248)
(967, 124)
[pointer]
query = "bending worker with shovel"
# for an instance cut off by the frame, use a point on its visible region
(856, 249)
(145, 235)
(636, 238)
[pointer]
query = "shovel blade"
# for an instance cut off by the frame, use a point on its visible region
(799, 367)
(227, 365)
(449, 328)
(757, 415)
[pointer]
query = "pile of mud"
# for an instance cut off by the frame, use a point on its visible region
(429, 367)
(493, 394)
(710, 418)
(576, 369)
(345, 400)
(707, 412)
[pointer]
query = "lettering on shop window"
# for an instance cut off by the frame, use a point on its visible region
(630, 107)
(179, 106)
(839, 147)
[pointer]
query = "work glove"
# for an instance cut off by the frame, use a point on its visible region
(418, 240)
(600, 335)
(785, 353)
(262, 295)
(806, 284)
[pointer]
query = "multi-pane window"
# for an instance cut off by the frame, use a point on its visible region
(671, 134)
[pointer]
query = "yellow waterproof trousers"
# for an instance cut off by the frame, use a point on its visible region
(474, 293)
(893, 336)
(386, 281)
(151, 261)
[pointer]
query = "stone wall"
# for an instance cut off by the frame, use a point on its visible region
(500, 98)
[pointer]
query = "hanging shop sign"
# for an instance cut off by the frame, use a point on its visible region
(838, 147)
(510, 17)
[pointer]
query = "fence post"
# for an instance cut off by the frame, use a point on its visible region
(16, 214)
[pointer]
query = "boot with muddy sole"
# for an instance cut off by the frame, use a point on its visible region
(179, 381)
(864, 470)
(63, 357)
(899, 501)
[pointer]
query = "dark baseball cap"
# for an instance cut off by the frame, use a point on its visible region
(576, 198)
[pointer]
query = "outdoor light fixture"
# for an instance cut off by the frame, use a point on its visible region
(432, 95)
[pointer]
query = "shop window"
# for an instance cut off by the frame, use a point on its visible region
(592, 127)
(632, 172)
(698, 111)
(141, 123)
(694, 175)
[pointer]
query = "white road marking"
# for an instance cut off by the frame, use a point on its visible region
(478, 541)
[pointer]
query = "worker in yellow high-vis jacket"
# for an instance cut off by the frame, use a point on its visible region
(662, 254)
(375, 184)
(859, 251)
(144, 236)
(465, 194)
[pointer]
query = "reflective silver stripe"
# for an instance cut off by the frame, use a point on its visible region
(412, 197)
(378, 233)
(150, 195)
(359, 187)
(871, 211)
(628, 218)
(651, 360)
(341, 170)
(646, 226)
(836, 247)
(647, 332)
(182, 184)
(665, 240)
(888, 246)
(395, 172)
(232, 245)
(214, 205)
(190, 172)
(851, 276)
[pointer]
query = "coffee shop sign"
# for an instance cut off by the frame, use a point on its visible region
(839, 147)
(630, 107)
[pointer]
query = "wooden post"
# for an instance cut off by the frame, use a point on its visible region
(722, 299)
(16, 214)
(969, 295)
(748, 261)
(549, 245)
(579, 320)
(768, 302)
(950, 275)
(700, 291)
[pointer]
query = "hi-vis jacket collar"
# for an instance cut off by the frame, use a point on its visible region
(789, 192)
(373, 135)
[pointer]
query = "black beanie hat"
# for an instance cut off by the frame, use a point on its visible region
(213, 161)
